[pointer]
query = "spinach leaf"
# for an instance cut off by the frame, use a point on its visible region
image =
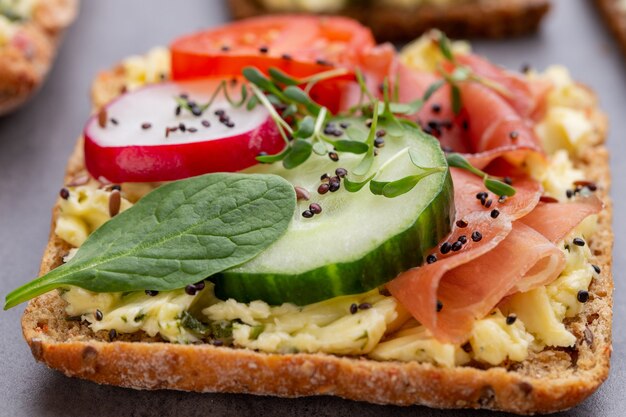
(179, 234)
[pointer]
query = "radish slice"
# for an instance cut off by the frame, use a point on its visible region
(144, 139)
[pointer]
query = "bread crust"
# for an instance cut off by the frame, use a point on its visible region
(548, 381)
(615, 18)
(481, 18)
(24, 64)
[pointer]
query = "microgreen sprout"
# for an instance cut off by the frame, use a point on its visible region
(462, 73)
(492, 184)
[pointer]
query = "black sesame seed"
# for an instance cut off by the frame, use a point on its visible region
(323, 188)
(463, 239)
(286, 57)
(196, 111)
(582, 296)
(344, 125)
(445, 248)
(229, 124)
(510, 319)
(206, 123)
(191, 289)
(177, 111)
(182, 127)
(218, 342)
(456, 246)
(384, 292)
(494, 213)
(322, 62)
(365, 306)
(439, 306)
(569, 193)
(526, 68)
(333, 186)
(116, 187)
(219, 112)
(307, 214)
(315, 208)
(192, 130)
(461, 224)
(578, 241)
(353, 308)
(436, 108)
(507, 180)
(152, 293)
(591, 186)
(112, 334)
(263, 49)
(514, 135)
(432, 258)
(381, 133)
(333, 156)
(596, 268)
(477, 236)
(502, 199)
(199, 285)
(379, 142)
(341, 172)
(225, 48)
(145, 126)
(433, 124)
(114, 121)
(482, 195)
(368, 123)
(98, 315)
(488, 203)
(64, 193)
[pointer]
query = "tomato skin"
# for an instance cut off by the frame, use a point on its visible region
(172, 162)
(300, 45)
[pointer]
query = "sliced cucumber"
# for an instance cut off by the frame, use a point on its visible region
(360, 240)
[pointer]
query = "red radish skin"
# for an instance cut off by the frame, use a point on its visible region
(181, 155)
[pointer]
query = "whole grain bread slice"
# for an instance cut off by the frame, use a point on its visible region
(614, 13)
(479, 18)
(550, 380)
(24, 64)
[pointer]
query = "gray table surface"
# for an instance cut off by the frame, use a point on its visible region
(36, 141)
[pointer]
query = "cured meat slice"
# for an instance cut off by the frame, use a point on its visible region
(483, 229)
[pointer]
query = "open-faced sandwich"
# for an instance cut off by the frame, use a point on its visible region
(280, 206)
(403, 20)
(614, 13)
(30, 31)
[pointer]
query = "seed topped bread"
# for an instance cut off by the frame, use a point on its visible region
(26, 59)
(480, 18)
(550, 380)
(614, 13)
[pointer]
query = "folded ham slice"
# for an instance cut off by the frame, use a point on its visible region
(511, 256)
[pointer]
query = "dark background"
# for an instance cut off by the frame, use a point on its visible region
(36, 141)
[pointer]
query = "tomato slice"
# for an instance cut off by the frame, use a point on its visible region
(299, 45)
